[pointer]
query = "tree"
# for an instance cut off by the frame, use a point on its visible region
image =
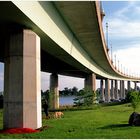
(68, 91)
(74, 91)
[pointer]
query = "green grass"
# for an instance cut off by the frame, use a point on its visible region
(103, 122)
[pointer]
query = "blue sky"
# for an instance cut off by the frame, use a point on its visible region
(124, 33)
(123, 18)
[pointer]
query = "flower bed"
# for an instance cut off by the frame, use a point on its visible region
(18, 131)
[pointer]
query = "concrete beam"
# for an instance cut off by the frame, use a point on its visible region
(22, 90)
(54, 92)
(107, 90)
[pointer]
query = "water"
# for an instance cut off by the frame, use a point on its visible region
(66, 100)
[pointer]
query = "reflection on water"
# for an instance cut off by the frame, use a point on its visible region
(66, 100)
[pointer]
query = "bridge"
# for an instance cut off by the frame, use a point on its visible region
(57, 37)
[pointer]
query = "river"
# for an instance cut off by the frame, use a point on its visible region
(66, 100)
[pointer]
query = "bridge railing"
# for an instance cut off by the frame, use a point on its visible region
(102, 13)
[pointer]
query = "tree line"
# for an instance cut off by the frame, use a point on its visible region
(65, 92)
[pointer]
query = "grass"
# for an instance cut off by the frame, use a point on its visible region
(110, 122)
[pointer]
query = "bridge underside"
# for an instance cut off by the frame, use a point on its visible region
(53, 58)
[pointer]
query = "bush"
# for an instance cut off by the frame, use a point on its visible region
(134, 97)
(85, 98)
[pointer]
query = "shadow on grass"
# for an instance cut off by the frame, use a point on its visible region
(115, 126)
(113, 103)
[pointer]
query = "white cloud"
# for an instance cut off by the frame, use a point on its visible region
(124, 34)
(125, 22)
(67, 81)
(130, 59)
(45, 83)
(126, 29)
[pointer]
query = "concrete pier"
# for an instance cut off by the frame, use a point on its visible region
(128, 86)
(90, 82)
(116, 90)
(102, 90)
(107, 90)
(22, 90)
(122, 90)
(54, 92)
(112, 89)
(135, 85)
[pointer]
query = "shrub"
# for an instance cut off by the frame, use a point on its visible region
(85, 97)
(134, 97)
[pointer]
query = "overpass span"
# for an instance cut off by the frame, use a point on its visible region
(71, 40)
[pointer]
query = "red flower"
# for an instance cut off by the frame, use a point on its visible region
(18, 130)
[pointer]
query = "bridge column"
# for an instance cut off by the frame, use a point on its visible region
(135, 85)
(22, 90)
(120, 93)
(128, 86)
(54, 92)
(112, 89)
(107, 90)
(122, 90)
(116, 90)
(90, 82)
(102, 90)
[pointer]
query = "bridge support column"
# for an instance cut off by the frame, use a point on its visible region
(22, 90)
(116, 90)
(90, 82)
(102, 90)
(120, 93)
(107, 90)
(112, 89)
(122, 90)
(128, 86)
(54, 92)
(135, 85)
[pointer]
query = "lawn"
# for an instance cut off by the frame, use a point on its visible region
(110, 122)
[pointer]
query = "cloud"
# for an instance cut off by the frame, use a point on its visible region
(125, 22)
(67, 81)
(121, 29)
(124, 35)
(130, 59)
(45, 80)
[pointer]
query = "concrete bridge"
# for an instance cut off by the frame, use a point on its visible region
(57, 37)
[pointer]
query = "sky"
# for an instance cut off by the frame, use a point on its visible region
(123, 35)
